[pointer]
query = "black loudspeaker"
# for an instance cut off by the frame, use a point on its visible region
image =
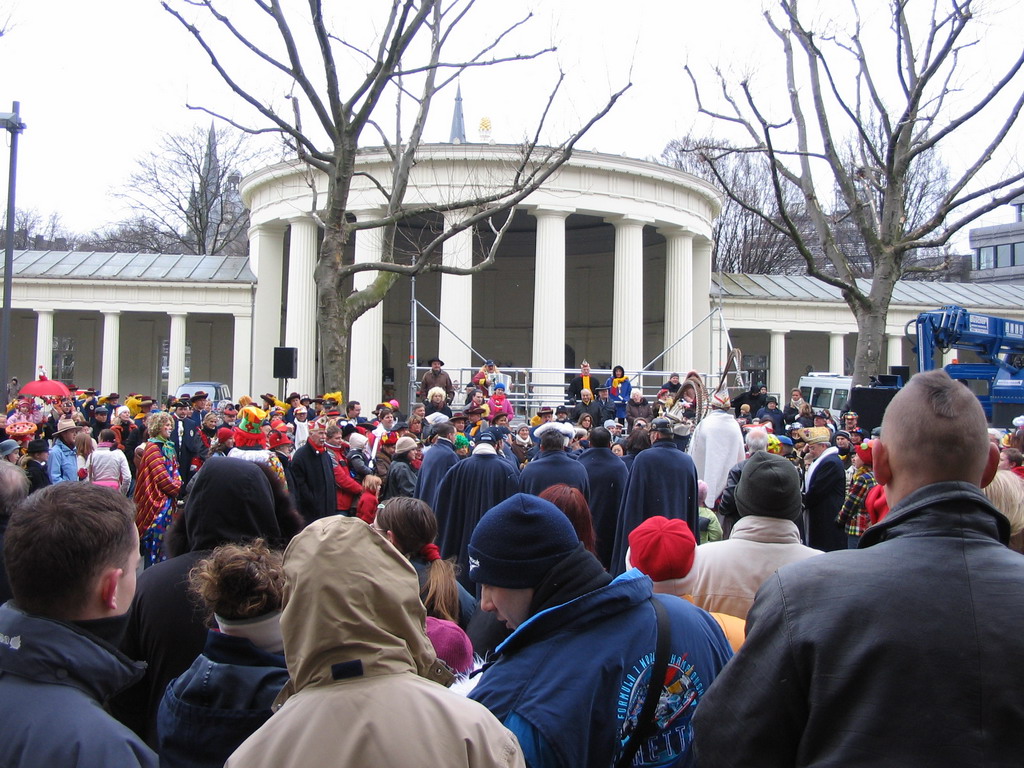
(286, 362)
(870, 404)
(900, 370)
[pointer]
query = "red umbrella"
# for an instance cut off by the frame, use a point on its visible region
(44, 387)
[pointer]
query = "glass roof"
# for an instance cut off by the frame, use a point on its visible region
(913, 292)
(92, 265)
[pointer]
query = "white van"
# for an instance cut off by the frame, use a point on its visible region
(829, 391)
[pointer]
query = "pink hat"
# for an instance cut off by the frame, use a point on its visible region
(662, 548)
(451, 644)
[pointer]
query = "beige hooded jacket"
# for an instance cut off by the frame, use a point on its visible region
(366, 688)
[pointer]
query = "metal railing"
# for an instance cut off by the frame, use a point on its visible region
(529, 389)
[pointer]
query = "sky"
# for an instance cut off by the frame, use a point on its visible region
(100, 83)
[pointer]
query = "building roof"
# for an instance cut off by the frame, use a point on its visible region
(906, 292)
(93, 265)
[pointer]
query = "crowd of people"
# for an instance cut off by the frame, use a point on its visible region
(682, 579)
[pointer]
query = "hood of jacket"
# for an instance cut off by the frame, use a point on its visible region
(952, 508)
(351, 608)
(49, 651)
(230, 500)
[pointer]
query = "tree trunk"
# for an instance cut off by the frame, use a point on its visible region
(871, 313)
(870, 335)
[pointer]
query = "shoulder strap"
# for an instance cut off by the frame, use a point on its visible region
(645, 724)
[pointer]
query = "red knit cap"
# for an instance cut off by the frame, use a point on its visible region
(864, 451)
(279, 437)
(662, 548)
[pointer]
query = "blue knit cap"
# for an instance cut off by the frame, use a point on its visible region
(518, 541)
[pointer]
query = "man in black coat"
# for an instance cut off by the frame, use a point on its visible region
(468, 490)
(185, 438)
(607, 474)
(662, 481)
(436, 462)
(899, 652)
(585, 380)
(553, 465)
(313, 475)
(824, 491)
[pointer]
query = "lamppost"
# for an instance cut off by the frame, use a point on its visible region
(11, 122)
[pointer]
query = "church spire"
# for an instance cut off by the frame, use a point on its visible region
(458, 123)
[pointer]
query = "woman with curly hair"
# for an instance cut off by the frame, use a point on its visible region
(227, 693)
(156, 486)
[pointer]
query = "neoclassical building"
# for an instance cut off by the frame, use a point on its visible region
(609, 262)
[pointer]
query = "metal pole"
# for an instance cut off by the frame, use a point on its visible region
(14, 126)
(413, 355)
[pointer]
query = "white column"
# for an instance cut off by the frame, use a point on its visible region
(701, 292)
(111, 350)
(266, 259)
(628, 316)
(241, 358)
(457, 303)
(176, 352)
(836, 352)
(367, 340)
(44, 342)
(894, 350)
(678, 299)
(777, 364)
(549, 303)
(300, 308)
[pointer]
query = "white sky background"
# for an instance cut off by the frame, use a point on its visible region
(99, 83)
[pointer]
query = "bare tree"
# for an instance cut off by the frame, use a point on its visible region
(38, 231)
(866, 137)
(743, 241)
(184, 195)
(394, 81)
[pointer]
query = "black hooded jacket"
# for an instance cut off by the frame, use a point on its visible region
(232, 500)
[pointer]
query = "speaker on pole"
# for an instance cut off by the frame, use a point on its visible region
(286, 362)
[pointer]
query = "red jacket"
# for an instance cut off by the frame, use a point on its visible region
(347, 488)
(366, 510)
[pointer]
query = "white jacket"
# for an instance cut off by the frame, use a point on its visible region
(727, 574)
(106, 465)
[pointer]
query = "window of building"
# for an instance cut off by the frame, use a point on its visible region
(1018, 254)
(63, 369)
(987, 257)
(1004, 255)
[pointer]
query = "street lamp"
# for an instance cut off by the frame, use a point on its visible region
(11, 122)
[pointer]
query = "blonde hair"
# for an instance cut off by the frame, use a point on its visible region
(437, 391)
(372, 483)
(156, 421)
(83, 444)
(1006, 492)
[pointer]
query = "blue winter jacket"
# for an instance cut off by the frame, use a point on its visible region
(551, 468)
(63, 463)
(219, 702)
(570, 681)
(54, 680)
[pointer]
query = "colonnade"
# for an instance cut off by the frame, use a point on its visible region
(686, 292)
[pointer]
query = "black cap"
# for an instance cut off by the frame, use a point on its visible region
(661, 426)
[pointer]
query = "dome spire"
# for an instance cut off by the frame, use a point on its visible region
(458, 135)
